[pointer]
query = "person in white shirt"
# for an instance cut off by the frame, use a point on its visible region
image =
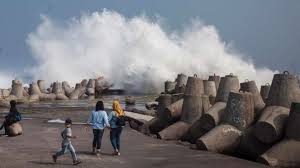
(66, 135)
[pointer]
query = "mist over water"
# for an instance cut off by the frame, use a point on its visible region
(133, 53)
(5, 79)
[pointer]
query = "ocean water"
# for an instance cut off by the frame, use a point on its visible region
(140, 102)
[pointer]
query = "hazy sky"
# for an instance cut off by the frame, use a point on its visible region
(267, 31)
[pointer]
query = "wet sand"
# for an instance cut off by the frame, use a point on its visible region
(41, 139)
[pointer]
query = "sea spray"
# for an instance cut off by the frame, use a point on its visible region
(133, 53)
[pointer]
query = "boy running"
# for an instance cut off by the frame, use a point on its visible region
(66, 135)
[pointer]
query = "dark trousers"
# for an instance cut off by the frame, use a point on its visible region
(5, 126)
(115, 135)
(98, 133)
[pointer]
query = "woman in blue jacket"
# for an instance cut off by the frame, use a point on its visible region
(98, 120)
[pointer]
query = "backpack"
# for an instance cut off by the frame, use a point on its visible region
(120, 121)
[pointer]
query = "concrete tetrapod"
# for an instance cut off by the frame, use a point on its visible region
(78, 92)
(207, 121)
(144, 112)
(192, 100)
(90, 90)
(176, 97)
(195, 131)
(286, 153)
(191, 110)
(42, 86)
(216, 79)
(164, 101)
(78, 86)
(58, 90)
(161, 122)
(250, 147)
(224, 138)
(212, 116)
(250, 86)
(47, 97)
(283, 154)
(239, 110)
(270, 126)
(16, 89)
(25, 92)
(84, 82)
(151, 105)
(155, 125)
(264, 91)
(210, 90)
(238, 115)
(293, 122)
(61, 97)
(173, 111)
(5, 92)
(181, 81)
(170, 87)
(227, 84)
(68, 90)
(205, 103)
(145, 128)
(284, 90)
(34, 92)
(26, 88)
(174, 131)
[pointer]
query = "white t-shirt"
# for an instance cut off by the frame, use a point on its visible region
(66, 132)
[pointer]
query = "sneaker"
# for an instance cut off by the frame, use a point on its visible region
(98, 153)
(118, 153)
(54, 158)
(76, 162)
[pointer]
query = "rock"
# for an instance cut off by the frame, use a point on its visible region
(15, 129)
(130, 100)
(151, 105)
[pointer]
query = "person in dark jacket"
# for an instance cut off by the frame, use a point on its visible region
(12, 117)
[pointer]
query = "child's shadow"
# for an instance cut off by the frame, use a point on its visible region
(48, 163)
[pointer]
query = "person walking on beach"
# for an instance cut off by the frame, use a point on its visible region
(66, 144)
(12, 117)
(98, 120)
(117, 122)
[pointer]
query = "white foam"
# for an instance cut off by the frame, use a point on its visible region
(59, 121)
(134, 53)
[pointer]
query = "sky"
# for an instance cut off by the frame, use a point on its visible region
(265, 31)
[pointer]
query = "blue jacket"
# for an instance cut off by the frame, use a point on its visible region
(112, 118)
(98, 120)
